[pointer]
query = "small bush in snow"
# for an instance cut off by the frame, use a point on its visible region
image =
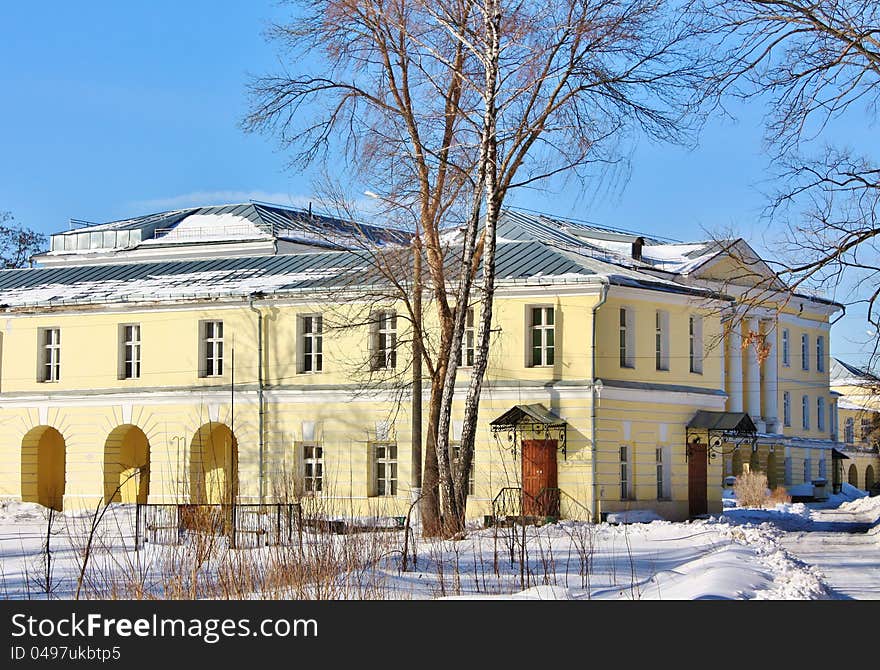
(778, 496)
(751, 489)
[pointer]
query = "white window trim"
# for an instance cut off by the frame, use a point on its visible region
(134, 344)
(317, 461)
(805, 352)
(211, 348)
(627, 333)
(625, 466)
(661, 340)
(50, 355)
(786, 348)
(384, 357)
(377, 460)
(695, 343)
(468, 341)
(543, 327)
(820, 353)
(805, 412)
(311, 363)
(820, 413)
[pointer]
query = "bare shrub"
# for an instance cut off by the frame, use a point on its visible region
(777, 496)
(751, 489)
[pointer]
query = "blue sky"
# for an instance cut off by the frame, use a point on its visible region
(114, 109)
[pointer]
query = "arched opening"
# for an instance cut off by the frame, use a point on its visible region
(43, 455)
(869, 477)
(213, 465)
(772, 474)
(126, 465)
(737, 463)
(853, 476)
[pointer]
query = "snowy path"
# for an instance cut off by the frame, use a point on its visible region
(840, 547)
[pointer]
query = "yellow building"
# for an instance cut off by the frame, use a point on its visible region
(859, 423)
(242, 353)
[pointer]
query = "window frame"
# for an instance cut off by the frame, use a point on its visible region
(626, 330)
(805, 412)
(786, 409)
(384, 356)
(786, 348)
(467, 353)
(381, 482)
(849, 430)
(212, 348)
(455, 449)
(547, 352)
(695, 343)
(661, 340)
(50, 354)
(805, 352)
(820, 353)
(135, 345)
(626, 487)
(820, 413)
(316, 460)
(311, 362)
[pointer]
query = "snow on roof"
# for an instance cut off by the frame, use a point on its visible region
(210, 228)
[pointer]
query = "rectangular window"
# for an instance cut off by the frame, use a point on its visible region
(695, 343)
(543, 339)
(786, 409)
(820, 414)
(212, 348)
(661, 486)
(385, 455)
(313, 469)
(849, 431)
(130, 351)
(808, 469)
(466, 355)
(312, 343)
(786, 348)
(627, 338)
(865, 431)
(805, 412)
(456, 450)
(50, 354)
(385, 340)
(820, 353)
(805, 352)
(624, 474)
(661, 340)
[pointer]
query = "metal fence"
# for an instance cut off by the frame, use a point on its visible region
(245, 525)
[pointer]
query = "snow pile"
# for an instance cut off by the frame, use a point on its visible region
(634, 516)
(210, 227)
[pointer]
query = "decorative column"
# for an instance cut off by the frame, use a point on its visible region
(770, 385)
(752, 379)
(735, 378)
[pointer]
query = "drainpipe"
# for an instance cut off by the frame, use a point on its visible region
(259, 314)
(593, 381)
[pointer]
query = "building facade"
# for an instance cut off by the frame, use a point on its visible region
(243, 353)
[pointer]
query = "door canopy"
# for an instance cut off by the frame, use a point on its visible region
(715, 429)
(529, 422)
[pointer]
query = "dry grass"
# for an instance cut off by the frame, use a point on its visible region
(778, 495)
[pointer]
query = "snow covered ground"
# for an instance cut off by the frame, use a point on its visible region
(793, 551)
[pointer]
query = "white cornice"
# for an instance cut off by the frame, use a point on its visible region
(663, 397)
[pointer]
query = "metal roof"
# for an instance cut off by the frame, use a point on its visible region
(734, 422)
(531, 413)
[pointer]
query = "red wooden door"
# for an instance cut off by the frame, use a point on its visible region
(697, 479)
(539, 478)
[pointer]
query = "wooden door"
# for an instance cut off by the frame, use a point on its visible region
(697, 479)
(539, 478)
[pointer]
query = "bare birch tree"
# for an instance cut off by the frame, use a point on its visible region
(454, 105)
